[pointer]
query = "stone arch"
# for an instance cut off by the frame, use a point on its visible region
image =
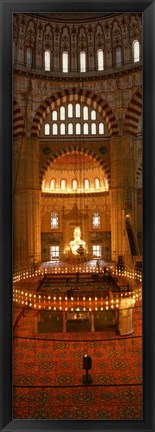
(18, 121)
(80, 95)
(139, 171)
(72, 149)
(133, 113)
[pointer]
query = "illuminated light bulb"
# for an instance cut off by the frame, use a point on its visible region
(117, 305)
(101, 308)
(54, 308)
(72, 298)
(39, 297)
(49, 307)
(112, 307)
(84, 298)
(39, 306)
(60, 298)
(90, 309)
(107, 307)
(96, 308)
(106, 302)
(89, 298)
(30, 304)
(71, 309)
(22, 302)
(54, 298)
(84, 308)
(49, 297)
(35, 305)
(66, 309)
(60, 307)
(95, 298)
(22, 293)
(34, 296)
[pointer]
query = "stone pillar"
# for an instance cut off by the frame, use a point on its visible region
(64, 321)
(92, 322)
(26, 203)
(123, 193)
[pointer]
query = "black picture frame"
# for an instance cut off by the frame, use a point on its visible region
(147, 7)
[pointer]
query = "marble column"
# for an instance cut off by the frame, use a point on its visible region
(122, 194)
(26, 203)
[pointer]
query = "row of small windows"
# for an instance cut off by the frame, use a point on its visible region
(70, 129)
(96, 220)
(75, 185)
(76, 111)
(82, 58)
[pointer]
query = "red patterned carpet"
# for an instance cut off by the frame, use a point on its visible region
(48, 371)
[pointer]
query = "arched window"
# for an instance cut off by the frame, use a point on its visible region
(77, 110)
(82, 61)
(65, 62)
(118, 56)
(70, 110)
(85, 113)
(62, 129)
(93, 128)
(101, 128)
(62, 113)
(70, 129)
(55, 129)
(28, 56)
(54, 115)
(100, 60)
(96, 220)
(86, 183)
(136, 51)
(54, 220)
(52, 183)
(105, 183)
(47, 129)
(43, 183)
(78, 129)
(13, 53)
(74, 184)
(63, 184)
(85, 128)
(47, 60)
(93, 115)
(97, 183)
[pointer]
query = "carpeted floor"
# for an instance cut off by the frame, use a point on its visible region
(48, 371)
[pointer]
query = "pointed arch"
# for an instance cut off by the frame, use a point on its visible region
(133, 113)
(73, 149)
(78, 95)
(18, 121)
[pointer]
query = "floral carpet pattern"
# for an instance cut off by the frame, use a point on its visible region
(48, 374)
